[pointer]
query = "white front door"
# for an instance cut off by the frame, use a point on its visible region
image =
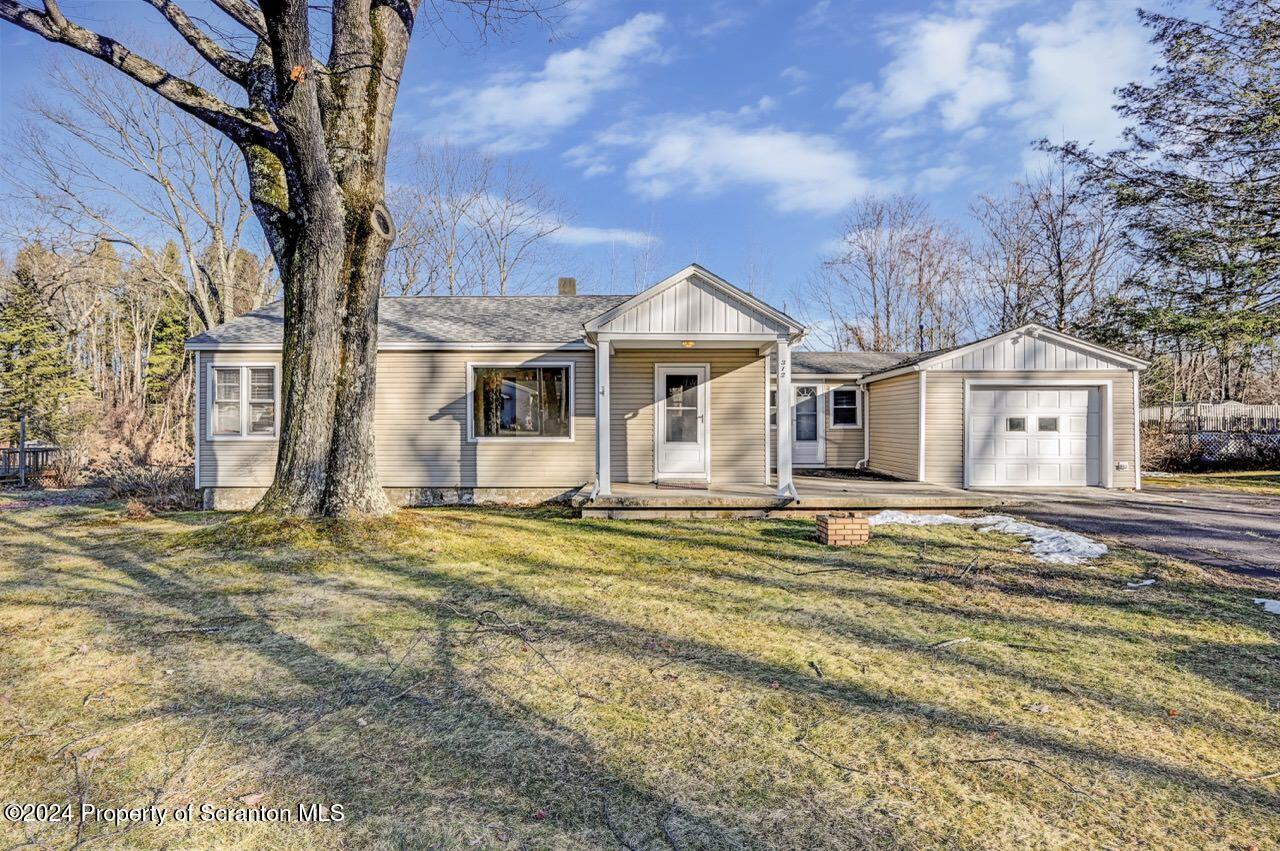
(1029, 435)
(681, 422)
(807, 429)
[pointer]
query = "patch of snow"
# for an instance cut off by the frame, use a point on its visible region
(1271, 607)
(1141, 583)
(1052, 546)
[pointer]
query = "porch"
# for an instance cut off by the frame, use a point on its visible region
(815, 494)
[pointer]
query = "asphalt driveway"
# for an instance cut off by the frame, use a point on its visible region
(1232, 531)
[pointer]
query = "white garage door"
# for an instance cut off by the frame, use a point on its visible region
(1033, 436)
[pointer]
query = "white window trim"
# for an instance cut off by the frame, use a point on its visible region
(831, 406)
(244, 402)
(658, 407)
(472, 366)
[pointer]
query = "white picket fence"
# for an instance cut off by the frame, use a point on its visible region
(1224, 416)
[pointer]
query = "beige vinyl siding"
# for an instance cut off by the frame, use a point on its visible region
(893, 408)
(737, 412)
(229, 461)
(422, 425)
(421, 428)
(845, 446)
(945, 418)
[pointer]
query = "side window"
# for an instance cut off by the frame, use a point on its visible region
(242, 401)
(773, 408)
(226, 402)
(844, 407)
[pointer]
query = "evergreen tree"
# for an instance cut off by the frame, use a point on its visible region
(1199, 183)
(36, 376)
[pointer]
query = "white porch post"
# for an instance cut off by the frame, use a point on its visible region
(603, 457)
(786, 487)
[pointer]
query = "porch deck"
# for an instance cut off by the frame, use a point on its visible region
(817, 494)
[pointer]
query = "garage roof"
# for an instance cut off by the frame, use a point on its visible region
(1027, 347)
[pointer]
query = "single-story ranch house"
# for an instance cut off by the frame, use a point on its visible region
(690, 382)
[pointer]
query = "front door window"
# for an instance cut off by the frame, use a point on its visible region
(806, 412)
(682, 408)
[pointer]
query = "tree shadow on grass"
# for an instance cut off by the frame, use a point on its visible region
(436, 740)
(432, 743)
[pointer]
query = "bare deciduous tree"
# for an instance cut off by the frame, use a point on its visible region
(469, 224)
(107, 161)
(1049, 251)
(894, 284)
(313, 133)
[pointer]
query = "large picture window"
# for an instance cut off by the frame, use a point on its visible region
(844, 407)
(242, 401)
(522, 402)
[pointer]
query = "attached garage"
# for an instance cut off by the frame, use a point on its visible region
(1037, 434)
(1030, 407)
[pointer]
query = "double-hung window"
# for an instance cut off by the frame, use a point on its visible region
(243, 402)
(845, 409)
(533, 401)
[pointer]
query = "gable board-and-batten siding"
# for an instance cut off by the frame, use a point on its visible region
(736, 412)
(894, 416)
(691, 307)
(945, 419)
(1025, 352)
(421, 427)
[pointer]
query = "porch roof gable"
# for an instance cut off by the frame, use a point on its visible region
(695, 301)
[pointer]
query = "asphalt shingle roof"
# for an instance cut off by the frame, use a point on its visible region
(444, 319)
(842, 363)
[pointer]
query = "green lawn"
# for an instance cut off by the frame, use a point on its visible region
(489, 679)
(1248, 481)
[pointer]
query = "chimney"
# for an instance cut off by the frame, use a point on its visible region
(568, 286)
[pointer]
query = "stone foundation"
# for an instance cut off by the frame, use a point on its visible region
(242, 499)
(843, 529)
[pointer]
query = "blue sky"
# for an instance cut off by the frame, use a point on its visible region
(734, 134)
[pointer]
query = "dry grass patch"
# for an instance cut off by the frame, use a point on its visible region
(469, 678)
(1266, 482)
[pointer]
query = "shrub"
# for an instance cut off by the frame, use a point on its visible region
(158, 487)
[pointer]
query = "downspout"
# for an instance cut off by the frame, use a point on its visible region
(865, 410)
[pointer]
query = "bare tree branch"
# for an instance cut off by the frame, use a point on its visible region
(238, 124)
(232, 67)
(245, 15)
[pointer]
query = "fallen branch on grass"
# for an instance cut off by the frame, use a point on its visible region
(1038, 767)
(613, 828)
(941, 644)
(811, 752)
(666, 831)
(203, 630)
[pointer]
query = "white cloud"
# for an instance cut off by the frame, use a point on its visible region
(519, 111)
(707, 155)
(1073, 66)
(589, 159)
(794, 74)
(581, 236)
(975, 71)
(942, 62)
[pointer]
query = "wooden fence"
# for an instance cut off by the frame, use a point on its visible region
(1225, 417)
